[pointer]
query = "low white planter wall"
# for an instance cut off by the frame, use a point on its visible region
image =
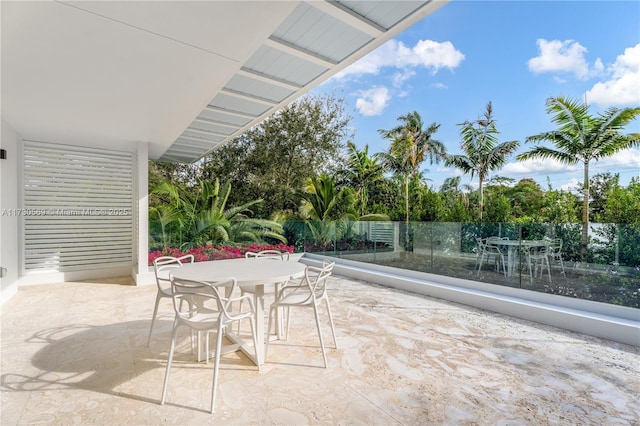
(617, 323)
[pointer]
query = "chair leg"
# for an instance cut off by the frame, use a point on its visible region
(199, 346)
(333, 330)
(266, 347)
(153, 318)
(240, 309)
(216, 366)
(480, 263)
(168, 370)
(546, 261)
(255, 341)
(324, 355)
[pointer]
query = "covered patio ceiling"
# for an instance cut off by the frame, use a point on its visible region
(183, 76)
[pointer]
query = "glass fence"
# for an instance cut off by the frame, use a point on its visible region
(548, 258)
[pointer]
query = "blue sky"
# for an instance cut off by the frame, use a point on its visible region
(515, 54)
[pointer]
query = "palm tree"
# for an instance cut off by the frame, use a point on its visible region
(325, 206)
(362, 169)
(483, 152)
(582, 138)
(411, 145)
(451, 188)
(322, 204)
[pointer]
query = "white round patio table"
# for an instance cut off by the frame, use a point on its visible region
(512, 246)
(254, 272)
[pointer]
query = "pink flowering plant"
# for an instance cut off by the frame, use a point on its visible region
(218, 252)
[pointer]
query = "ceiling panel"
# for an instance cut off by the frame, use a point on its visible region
(231, 103)
(311, 29)
(224, 118)
(384, 13)
(258, 88)
(273, 62)
(201, 136)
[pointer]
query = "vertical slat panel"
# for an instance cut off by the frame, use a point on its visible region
(78, 208)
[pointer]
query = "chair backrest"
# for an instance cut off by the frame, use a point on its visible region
(164, 263)
(197, 294)
(317, 278)
(495, 240)
(275, 254)
(556, 245)
(493, 245)
(482, 242)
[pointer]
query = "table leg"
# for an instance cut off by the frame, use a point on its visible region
(511, 260)
(259, 319)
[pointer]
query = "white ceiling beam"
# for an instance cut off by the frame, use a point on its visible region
(268, 79)
(297, 51)
(196, 138)
(230, 112)
(349, 17)
(207, 132)
(216, 122)
(247, 97)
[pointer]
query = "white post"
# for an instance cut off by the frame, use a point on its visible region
(141, 269)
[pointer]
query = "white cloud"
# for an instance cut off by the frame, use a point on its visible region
(400, 77)
(428, 54)
(623, 86)
(373, 101)
(562, 56)
(626, 159)
(537, 167)
(439, 86)
(571, 186)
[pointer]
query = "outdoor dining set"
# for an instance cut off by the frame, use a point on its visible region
(538, 255)
(215, 296)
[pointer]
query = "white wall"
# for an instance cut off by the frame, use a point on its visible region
(9, 222)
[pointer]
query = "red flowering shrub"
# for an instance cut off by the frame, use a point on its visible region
(219, 252)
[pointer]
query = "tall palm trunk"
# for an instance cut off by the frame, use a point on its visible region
(481, 202)
(585, 213)
(406, 206)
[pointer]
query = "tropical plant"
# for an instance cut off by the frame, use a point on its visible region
(324, 207)
(457, 200)
(601, 186)
(362, 170)
(329, 211)
(200, 216)
(582, 138)
(411, 145)
(483, 152)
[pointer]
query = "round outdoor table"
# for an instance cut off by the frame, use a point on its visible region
(255, 272)
(512, 246)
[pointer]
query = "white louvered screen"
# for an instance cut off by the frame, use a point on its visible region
(77, 208)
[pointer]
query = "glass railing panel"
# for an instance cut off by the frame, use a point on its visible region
(608, 272)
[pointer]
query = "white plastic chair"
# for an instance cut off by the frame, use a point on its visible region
(537, 259)
(200, 318)
(269, 288)
(554, 252)
(163, 266)
(306, 294)
(490, 248)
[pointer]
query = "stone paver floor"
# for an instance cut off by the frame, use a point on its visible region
(75, 353)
